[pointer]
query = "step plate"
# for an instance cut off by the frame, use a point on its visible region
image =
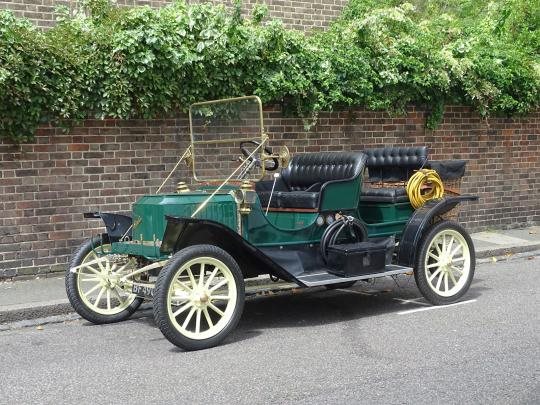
(321, 277)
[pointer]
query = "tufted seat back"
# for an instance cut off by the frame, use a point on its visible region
(309, 169)
(394, 163)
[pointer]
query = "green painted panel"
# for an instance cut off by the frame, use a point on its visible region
(282, 228)
(149, 212)
(341, 195)
(136, 249)
(292, 220)
(384, 212)
(385, 219)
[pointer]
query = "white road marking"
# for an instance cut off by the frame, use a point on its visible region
(413, 301)
(410, 311)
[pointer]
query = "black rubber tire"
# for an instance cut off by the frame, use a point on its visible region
(166, 276)
(419, 273)
(345, 284)
(73, 293)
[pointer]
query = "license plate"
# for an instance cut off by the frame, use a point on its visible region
(143, 290)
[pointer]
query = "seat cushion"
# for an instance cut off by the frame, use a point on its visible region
(290, 199)
(394, 163)
(384, 194)
(307, 169)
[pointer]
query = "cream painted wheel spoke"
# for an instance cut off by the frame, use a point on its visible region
(94, 288)
(429, 266)
(121, 269)
(215, 309)
(92, 270)
(450, 244)
(220, 297)
(100, 265)
(433, 256)
(115, 292)
(182, 309)
(201, 276)
(191, 278)
(218, 285)
(208, 319)
(211, 277)
(459, 259)
(109, 299)
(439, 281)
(446, 282)
(457, 269)
(438, 249)
(198, 321)
(434, 274)
(92, 279)
(188, 318)
(453, 252)
(98, 298)
(183, 285)
(452, 277)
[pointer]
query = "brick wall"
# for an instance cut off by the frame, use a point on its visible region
(105, 165)
(299, 14)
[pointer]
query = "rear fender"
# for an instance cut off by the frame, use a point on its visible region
(183, 232)
(117, 224)
(420, 221)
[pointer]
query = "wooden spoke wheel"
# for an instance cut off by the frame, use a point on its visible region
(445, 263)
(199, 297)
(94, 289)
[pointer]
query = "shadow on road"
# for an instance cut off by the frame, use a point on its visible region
(319, 306)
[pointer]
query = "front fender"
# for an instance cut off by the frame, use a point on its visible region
(183, 232)
(117, 224)
(420, 221)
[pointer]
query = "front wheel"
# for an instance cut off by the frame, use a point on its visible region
(94, 289)
(445, 264)
(199, 297)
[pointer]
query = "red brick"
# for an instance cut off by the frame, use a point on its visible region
(78, 147)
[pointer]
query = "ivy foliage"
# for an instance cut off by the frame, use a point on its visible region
(105, 61)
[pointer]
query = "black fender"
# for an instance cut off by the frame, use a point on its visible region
(420, 221)
(183, 232)
(117, 224)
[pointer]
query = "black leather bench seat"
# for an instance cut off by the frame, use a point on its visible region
(385, 194)
(303, 183)
(290, 199)
(391, 164)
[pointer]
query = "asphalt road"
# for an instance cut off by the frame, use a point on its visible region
(361, 346)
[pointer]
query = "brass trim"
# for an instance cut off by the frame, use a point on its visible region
(222, 141)
(186, 155)
(203, 204)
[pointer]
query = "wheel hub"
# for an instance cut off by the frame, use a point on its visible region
(200, 298)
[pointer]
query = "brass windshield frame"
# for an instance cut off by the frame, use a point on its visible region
(263, 137)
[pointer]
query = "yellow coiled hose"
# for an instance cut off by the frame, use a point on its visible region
(415, 187)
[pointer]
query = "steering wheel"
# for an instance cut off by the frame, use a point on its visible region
(269, 166)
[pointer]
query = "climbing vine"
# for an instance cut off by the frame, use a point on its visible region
(104, 61)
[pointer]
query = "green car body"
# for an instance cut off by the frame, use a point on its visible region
(258, 228)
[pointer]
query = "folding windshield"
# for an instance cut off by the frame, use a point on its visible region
(218, 131)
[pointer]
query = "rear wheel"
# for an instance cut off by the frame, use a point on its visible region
(445, 263)
(199, 297)
(94, 290)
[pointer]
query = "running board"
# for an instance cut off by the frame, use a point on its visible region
(322, 277)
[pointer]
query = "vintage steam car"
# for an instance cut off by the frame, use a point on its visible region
(314, 223)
